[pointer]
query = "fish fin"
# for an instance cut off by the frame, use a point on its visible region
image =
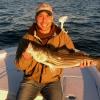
(50, 65)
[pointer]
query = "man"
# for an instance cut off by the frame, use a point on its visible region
(38, 77)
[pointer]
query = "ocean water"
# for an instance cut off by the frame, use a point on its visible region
(83, 23)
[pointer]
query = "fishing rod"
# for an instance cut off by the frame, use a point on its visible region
(62, 20)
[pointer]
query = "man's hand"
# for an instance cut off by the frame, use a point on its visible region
(27, 54)
(87, 63)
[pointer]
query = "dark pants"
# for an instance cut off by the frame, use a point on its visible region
(29, 89)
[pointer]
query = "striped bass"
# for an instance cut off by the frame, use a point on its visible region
(60, 58)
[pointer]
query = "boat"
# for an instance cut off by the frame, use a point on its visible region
(80, 84)
(77, 83)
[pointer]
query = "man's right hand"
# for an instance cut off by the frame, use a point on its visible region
(27, 55)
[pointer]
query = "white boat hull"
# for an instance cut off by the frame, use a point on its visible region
(84, 84)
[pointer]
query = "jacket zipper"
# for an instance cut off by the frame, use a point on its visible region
(41, 74)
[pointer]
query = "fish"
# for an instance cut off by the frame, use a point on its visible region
(60, 58)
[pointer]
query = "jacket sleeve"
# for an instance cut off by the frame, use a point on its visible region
(20, 61)
(68, 41)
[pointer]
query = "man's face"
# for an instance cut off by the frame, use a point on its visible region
(44, 21)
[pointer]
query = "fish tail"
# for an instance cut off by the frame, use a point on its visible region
(98, 65)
